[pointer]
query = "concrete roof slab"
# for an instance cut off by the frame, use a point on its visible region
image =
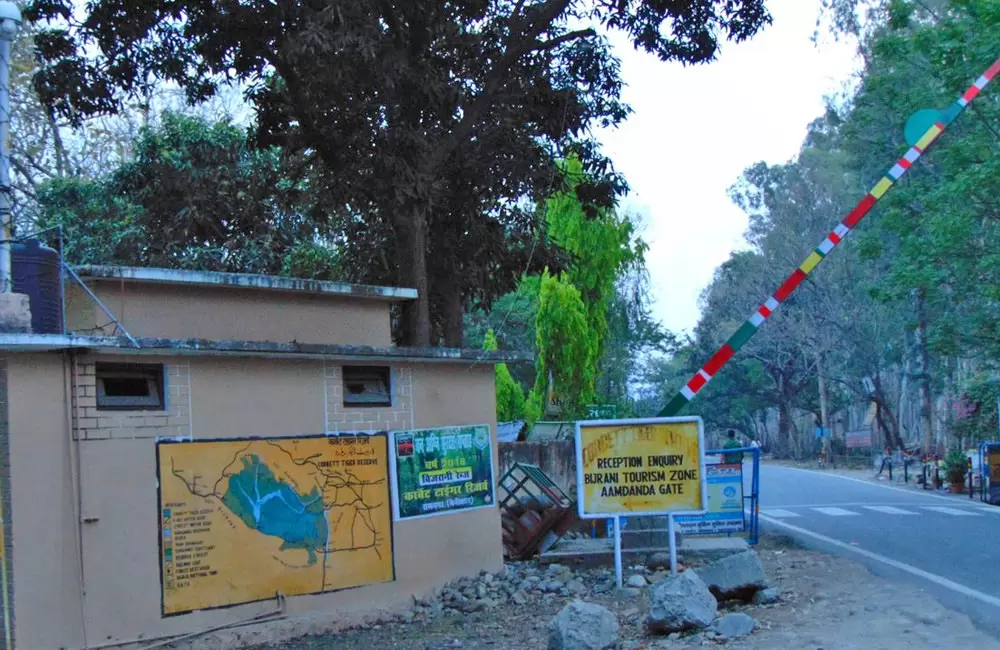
(244, 281)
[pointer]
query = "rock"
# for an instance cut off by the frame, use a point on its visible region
(473, 606)
(583, 626)
(556, 569)
(658, 561)
(576, 587)
(680, 603)
(637, 581)
(766, 597)
(702, 550)
(736, 576)
(734, 625)
(481, 591)
(519, 598)
(629, 592)
(447, 644)
(552, 587)
(605, 586)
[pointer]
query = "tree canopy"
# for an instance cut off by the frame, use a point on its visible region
(193, 195)
(900, 320)
(433, 127)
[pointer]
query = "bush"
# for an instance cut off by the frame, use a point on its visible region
(956, 466)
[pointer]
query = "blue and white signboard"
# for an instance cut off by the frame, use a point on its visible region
(725, 503)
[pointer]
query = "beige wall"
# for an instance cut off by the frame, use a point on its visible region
(46, 561)
(226, 398)
(224, 313)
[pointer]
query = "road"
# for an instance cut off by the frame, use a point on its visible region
(949, 546)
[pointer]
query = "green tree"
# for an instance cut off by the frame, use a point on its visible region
(510, 395)
(566, 348)
(192, 195)
(906, 307)
(600, 243)
(436, 120)
(603, 258)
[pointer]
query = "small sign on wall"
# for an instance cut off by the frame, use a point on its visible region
(442, 471)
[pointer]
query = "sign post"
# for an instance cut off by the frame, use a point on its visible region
(646, 467)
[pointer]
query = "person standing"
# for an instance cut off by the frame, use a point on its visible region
(732, 443)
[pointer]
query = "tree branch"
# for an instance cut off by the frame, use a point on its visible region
(552, 43)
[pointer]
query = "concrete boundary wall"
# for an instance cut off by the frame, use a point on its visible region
(557, 458)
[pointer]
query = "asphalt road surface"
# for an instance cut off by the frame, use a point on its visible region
(949, 546)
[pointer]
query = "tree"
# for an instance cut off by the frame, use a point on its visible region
(437, 120)
(510, 395)
(903, 316)
(512, 319)
(566, 348)
(602, 256)
(192, 195)
(600, 243)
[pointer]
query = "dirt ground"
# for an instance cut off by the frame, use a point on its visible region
(827, 604)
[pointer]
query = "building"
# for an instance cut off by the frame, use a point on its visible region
(187, 454)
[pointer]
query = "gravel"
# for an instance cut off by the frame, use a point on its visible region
(825, 602)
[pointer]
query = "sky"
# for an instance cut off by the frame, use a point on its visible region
(694, 130)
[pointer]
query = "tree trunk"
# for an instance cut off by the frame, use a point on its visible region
(824, 408)
(62, 164)
(415, 315)
(883, 411)
(787, 431)
(923, 362)
(453, 310)
(904, 387)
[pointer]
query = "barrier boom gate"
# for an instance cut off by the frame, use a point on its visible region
(750, 327)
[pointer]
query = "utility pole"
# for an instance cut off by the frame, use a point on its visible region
(10, 20)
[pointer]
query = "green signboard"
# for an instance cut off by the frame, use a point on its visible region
(442, 471)
(602, 411)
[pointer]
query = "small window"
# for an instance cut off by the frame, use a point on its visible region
(130, 387)
(367, 386)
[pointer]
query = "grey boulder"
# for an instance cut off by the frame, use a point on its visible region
(766, 596)
(679, 603)
(734, 625)
(637, 581)
(737, 576)
(583, 626)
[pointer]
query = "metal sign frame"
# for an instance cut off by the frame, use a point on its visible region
(617, 517)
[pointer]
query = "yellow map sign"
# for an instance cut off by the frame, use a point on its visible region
(651, 467)
(242, 519)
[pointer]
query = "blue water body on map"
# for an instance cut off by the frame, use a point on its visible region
(273, 507)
